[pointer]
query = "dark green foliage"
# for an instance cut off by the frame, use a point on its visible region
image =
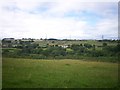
(54, 51)
(104, 44)
(78, 48)
(87, 45)
(112, 50)
(37, 51)
(97, 53)
(5, 51)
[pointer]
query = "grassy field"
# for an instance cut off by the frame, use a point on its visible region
(32, 73)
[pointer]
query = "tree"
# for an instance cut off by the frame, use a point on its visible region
(93, 47)
(87, 45)
(104, 44)
(97, 53)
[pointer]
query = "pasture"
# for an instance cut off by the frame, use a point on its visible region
(35, 73)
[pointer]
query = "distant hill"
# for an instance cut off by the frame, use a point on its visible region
(52, 39)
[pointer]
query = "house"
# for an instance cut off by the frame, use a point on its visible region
(63, 46)
(7, 42)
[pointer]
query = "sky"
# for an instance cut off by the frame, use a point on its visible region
(62, 19)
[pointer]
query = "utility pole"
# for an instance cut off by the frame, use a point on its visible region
(46, 36)
(70, 37)
(102, 37)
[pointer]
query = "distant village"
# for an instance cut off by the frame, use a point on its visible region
(12, 42)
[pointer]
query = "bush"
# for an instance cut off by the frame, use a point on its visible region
(86, 45)
(104, 44)
(97, 53)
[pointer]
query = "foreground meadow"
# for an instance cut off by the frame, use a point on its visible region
(34, 73)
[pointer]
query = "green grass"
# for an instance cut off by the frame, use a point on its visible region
(32, 73)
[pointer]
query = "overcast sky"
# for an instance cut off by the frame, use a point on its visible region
(58, 19)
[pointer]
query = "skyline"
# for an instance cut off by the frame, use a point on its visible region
(58, 19)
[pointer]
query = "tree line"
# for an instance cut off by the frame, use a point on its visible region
(74, 51)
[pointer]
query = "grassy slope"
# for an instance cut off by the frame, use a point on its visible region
(58, 73)
(74, 42)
